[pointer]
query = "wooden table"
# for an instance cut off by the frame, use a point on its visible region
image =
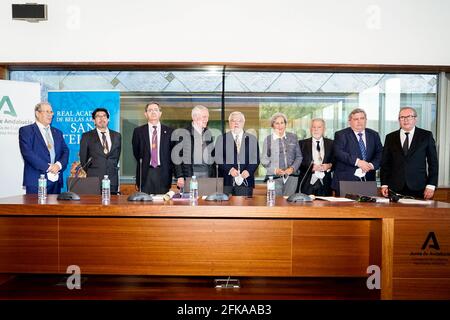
(241, 237)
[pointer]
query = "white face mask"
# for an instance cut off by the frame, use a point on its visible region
(238, 180)
(359, 173)
(319, 174)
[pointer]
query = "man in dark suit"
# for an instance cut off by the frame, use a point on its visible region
(357, 151)
(317, 152)
(44, 151)
(103, 146)
(237, 154)
(407, 154)
(194, 150)
(152, 144)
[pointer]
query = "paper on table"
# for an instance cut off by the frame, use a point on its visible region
(334, 199)
(415, 201)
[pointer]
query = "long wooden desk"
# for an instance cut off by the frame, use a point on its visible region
(241, 237)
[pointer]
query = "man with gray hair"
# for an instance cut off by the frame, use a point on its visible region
(317, 162)
(357, 151)
(237, 154)
(44, 151)
(199, 146)
(409, 165)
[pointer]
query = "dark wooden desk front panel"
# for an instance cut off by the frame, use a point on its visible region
(242, 237)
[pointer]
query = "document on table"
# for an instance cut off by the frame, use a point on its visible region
(415, 201)
(334, 199)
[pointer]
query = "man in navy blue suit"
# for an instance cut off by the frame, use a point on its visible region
(44, 151)
(237, 154)
(357, 151)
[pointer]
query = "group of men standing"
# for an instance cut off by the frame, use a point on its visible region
(408, 160)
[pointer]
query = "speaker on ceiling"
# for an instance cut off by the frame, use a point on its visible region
(31, 12)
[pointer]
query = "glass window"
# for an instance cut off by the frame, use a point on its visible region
(302, 96)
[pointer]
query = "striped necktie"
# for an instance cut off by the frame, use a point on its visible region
(362, 147)
(105, 143)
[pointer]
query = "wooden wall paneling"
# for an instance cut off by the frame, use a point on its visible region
(330, 247)
(413, 262)
(28, 245)
(387, 253)
(422, 288)
(236, 247)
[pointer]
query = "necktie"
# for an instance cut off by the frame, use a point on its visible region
(105, 143)
(154, 159)
(362, 147)
(318, 151)
(50, 145)
(238, 143)
(406, 144)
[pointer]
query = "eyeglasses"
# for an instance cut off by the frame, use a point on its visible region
(152, 110)
(403, 118)
(46, 111)
(101, 116)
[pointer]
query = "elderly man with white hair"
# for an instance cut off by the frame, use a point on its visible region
(199, 146)
(237, 154)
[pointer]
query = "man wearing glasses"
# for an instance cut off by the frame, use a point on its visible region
(103, 146)
(152, 145)
(44, 151)
(406, 155)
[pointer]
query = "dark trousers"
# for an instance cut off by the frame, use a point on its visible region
(238, 190)
(52, 188)
(152, 183)
(317, 189)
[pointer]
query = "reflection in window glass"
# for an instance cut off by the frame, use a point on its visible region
(302, 96)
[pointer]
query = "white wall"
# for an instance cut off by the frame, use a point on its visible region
(285, 31)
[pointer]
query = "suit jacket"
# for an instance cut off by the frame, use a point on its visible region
(398, 170)
(184, 139)
(36, 155)
(271, 153)
(306, 149)
(346, 151)
(142, 150)
(91, 146)
(228, 158)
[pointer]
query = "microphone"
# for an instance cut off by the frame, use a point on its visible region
(217, 196)
(69, 195)
(301, 197)
(140, 196)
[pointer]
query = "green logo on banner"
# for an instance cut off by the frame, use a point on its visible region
(6, 100)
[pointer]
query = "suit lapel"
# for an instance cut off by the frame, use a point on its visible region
(146, 137)
(97, 141)
(308, 153)
(356, 143)
(326, 146)
(415, 142)
(397, 142)
(38, 133)
(163, 144)
(114, 141)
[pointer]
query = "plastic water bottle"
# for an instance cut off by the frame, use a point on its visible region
(193, 187)
(271, 191)
(106, 190)
(42, 188)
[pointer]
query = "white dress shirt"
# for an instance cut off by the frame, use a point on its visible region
(108, 138)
